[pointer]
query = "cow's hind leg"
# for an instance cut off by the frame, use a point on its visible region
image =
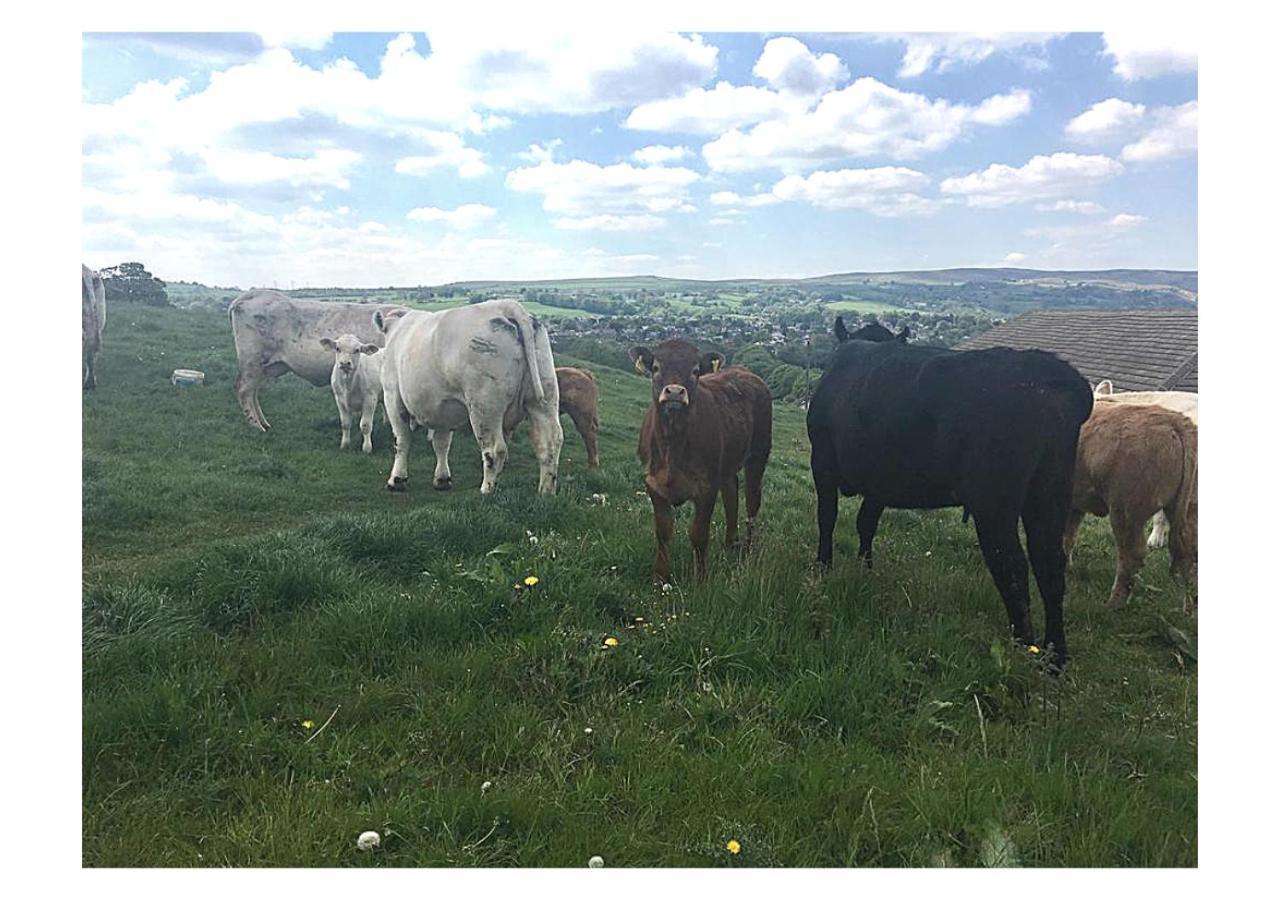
(1159, 531)
(1070, 530)
(998, 538)
(493, 448)
(398, 416)
(547, 436)
(729, 494)
(868, 521)
(754, 474)
(247, 395)
(700, 533)
(1046, 524)
(441, 439)
(1130, 550)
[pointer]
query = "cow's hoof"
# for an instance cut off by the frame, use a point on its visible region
(443, 484)
(397, 487)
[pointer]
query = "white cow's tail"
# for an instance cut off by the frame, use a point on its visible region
(527, 330)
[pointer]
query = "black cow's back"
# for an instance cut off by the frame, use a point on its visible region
(912, 425)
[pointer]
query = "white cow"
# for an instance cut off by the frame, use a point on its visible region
(93, 316)
(1183, 402)
(489, 364)
(357, 384)
(275, 334)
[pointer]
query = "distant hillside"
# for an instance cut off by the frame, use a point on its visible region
(1004, 291)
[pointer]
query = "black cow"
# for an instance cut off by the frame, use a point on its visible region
(995, 431)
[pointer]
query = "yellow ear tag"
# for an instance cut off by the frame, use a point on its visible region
(715, 365)
(640, 366)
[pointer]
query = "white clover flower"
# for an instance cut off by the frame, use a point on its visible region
(595, 862)
(368, 840)
(484, 788)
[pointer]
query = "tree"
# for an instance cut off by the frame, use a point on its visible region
(130, 282)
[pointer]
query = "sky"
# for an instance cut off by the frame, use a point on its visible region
(367, 160)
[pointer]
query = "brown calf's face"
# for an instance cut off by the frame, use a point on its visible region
(674, 368)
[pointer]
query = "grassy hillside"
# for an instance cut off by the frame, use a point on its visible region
(278, 655)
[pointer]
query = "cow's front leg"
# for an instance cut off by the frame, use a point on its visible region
(366, 423)
(440, 441)
(344, 417)
(700, 532)
(663, 525)
(398, 416)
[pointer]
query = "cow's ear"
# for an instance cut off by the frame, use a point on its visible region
(386, 317)
(708, 363)
(904, 334)
(1103, 389)
(328, 344)
(370, 349)
(643, 359)
(842, 333)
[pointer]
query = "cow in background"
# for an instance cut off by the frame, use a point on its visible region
(488, 364)
(93, 317)
(995, 431)
(579, 397)
(275, 334)
(704, 426)
(356, 380)
(1184, 402)
(1134, 459)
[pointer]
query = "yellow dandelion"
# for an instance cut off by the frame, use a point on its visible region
(611, 641)
(733, 847)
(531, 580)
(1032, 648)
(308, 724)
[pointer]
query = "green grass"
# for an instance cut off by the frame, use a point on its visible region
(863, 306)
(237, 585)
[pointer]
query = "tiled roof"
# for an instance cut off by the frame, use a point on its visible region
(1138, 349)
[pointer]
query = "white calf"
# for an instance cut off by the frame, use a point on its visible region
(356, 380)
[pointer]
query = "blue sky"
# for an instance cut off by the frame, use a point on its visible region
(377, 159)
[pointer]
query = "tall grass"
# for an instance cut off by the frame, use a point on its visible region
(244, 590)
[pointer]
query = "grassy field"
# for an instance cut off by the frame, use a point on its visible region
(862, 306)
(279, 655)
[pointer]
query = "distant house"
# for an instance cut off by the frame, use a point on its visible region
(1138, 349)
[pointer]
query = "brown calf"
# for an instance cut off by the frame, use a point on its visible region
(578, 398)
(704, 425)
(1131, 461)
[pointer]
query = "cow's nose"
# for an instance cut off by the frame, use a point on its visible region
(673, 393)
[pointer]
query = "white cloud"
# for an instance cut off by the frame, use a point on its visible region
(1107, 120)
(1149, 55)
(1175, 133)
(1084, 207)
(540, 152)
(1013, 259)
(1112, 227)
(609, 222)
(867, 118)
(656, 154)
(940, 52)
(324, 168)
(788, 65)
(885, 191)
(702, 111)
(582, 190)
(446, 150)
(469, 215)
(1041, 178)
